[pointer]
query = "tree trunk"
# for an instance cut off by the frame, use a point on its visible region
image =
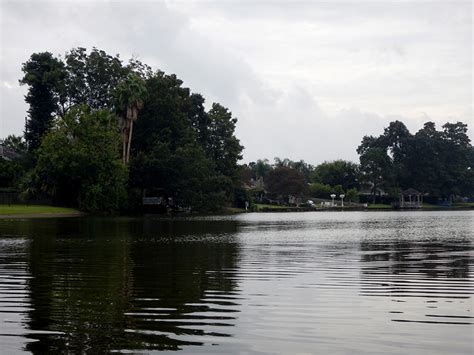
(129, 141)
(124, 142)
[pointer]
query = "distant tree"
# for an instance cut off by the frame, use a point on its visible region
(303, 167)
(369, 142)
(376, 169)
(79, 162)
(10, 173)
(260, 168)
(93, 77)
(320, 190)
(456, 154)
(352, 195)
(200, 121)
(45, 76)
(282, 162)
(434, 162)
(338, 172)
(129, 96)
(283, 182)
(423, 166)
(15, 143)
(246, 174)
(224, 148)
(395, 136)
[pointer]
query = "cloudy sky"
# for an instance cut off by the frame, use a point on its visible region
(305, 79)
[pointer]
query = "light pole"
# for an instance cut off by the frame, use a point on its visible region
(333, 196)
(342, 199)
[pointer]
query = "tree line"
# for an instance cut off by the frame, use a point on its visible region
(437, 163)
(101, 134)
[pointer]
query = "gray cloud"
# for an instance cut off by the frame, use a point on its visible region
(306, 79)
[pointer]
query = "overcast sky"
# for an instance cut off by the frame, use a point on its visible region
(305, 79)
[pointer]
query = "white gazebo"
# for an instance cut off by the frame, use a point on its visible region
(411, 198)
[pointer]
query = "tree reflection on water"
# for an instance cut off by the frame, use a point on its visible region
(100, 285)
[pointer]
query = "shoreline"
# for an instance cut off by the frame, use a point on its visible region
(42, 215)
(71, 214)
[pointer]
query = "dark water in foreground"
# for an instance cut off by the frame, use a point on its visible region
(368, 282)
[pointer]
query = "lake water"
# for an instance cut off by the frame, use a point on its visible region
(291, 283)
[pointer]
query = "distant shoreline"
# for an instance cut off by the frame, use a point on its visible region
(279, 209)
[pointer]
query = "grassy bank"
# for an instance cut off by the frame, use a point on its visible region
(34, 210)
(262, 206)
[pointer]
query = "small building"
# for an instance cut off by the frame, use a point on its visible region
(8, 154)
(411, 198)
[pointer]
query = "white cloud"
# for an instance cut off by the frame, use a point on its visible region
(306, 79)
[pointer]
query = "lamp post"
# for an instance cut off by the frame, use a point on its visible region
(342, 199)
(333, 196)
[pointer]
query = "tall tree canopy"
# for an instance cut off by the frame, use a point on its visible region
(79, 161)
(338, 172)
(129, 96)
(223, 147)
(46, 77)
(284, 181)
(175, 146)
(431, 161)
(179, 150)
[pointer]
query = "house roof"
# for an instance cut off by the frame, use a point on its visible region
(410, 191)
(8, 154)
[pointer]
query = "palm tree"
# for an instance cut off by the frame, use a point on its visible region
(129, 96)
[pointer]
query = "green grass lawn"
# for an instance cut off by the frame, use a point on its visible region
(463, 204)
(263, 205)
(33, 209)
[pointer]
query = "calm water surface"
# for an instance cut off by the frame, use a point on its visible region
(368, 282)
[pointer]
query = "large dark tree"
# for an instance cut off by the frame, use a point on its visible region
(284, 181)
(376, 169)
(199, 120)
(431, 161)
(129, 96)
(338, 172)
(224, 148)
(178, 148)
(260, 168)
(79, 161)
(93, 77)
(45, 76)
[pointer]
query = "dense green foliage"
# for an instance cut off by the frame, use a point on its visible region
(79, 161)
(179, 149)
(438, 163)
(89, 109)
(10, 173)
(173, 148)
(284, 181)
(45, 76)
(338, 172)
